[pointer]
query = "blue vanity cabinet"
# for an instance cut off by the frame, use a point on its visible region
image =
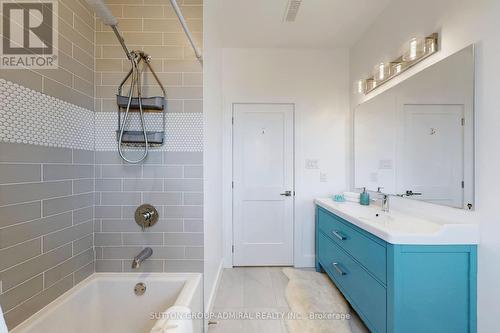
(399, 288)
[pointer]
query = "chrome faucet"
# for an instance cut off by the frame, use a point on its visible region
(384, 200)
(141, 257)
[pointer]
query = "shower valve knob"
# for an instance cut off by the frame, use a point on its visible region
(146, 216)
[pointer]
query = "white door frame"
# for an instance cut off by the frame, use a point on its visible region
(227, 180)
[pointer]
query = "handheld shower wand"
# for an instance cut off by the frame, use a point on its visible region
(135, 57)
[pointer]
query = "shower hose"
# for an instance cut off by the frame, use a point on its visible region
(134, 83)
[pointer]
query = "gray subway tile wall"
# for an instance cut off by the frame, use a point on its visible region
(73, 81)
(66, 213)
(39, 300)
(169, 180)
(46, 225)
(177, 238)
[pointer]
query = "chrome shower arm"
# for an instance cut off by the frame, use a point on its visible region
(185, 27)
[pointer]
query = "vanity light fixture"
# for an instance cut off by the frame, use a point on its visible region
(417, 49)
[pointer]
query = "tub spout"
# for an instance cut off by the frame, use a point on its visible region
(142, 256)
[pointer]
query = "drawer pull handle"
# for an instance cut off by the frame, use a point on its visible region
(338, 269)
(337, 234)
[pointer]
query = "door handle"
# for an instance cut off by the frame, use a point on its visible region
(286, 194)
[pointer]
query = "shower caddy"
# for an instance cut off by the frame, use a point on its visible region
(141, 104)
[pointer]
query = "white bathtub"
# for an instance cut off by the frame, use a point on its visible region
(106, 303)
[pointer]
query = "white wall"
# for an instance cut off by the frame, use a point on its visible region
(318, 83)
(212, 157)
(460, 23)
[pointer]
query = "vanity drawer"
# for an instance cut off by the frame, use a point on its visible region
(364, 292)
(369, 252)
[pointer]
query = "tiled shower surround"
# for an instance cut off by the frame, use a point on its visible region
(172, 182)
(66, 198)
(46, 225)
(171, 177)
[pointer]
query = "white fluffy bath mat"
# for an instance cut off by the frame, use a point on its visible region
(310, 292)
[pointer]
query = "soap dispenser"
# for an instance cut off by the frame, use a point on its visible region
(364, 198)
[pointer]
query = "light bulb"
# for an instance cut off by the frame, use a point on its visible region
(430, 45)
(381, 71)
(361, 86)
(413, 48)
(398, 68)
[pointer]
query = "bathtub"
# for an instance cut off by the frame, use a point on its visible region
(107, 303)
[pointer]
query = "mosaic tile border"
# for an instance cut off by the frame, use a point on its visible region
(30, 117)
(184, 131)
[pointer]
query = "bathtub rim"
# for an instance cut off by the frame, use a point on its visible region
(191, 282)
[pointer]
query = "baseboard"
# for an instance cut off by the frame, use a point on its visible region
(213, 293)
(215, 287)
(306, 261)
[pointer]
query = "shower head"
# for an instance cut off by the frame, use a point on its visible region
(103, 12)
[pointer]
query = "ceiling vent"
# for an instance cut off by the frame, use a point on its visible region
(292, 9)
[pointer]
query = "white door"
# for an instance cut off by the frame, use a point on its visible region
(263, 184)
(434, 150)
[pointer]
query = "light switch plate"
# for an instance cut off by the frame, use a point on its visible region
(312, 164)
(385, 164)
(323, 177)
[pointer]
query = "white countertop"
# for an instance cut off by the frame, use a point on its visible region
(400, 228)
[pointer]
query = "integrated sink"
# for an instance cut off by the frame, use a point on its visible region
(400, 228)
(378, 218)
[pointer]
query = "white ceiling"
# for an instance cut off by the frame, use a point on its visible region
(319, 23)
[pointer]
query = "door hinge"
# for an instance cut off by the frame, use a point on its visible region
(232, 184)
(463, 121)
(232, 248)
(463, 184)
(232, 120)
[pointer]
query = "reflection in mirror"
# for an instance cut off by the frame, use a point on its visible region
(416, 139)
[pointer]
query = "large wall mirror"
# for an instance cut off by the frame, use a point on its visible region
(416, 140)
